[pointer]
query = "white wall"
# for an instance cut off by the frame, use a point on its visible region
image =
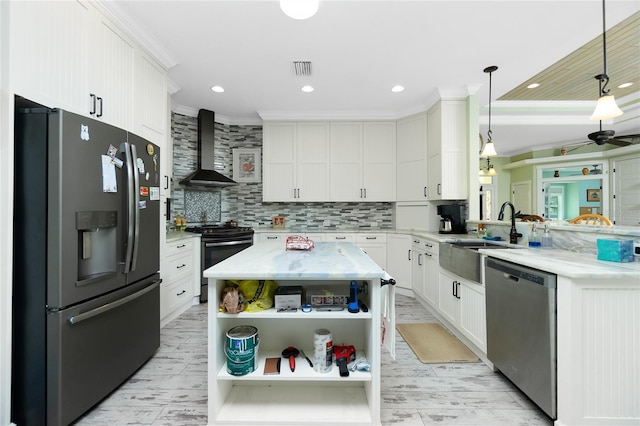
(6, 216)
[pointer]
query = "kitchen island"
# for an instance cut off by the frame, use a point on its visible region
(304, 396)
(598, 334)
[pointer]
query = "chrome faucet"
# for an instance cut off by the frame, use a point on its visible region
(513, 234)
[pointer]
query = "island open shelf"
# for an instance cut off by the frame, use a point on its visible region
(302, 397)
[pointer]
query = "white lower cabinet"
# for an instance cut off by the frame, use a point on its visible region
(180, 273)
(431, 269)
(462, 303)
(399, 259)
(473, 317)
(417, 267)
(375, 246)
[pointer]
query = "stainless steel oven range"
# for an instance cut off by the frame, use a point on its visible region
(219, 242)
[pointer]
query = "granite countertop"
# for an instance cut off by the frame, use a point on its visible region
(270, 260)
(567, 263)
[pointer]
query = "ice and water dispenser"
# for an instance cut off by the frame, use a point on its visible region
(97, 244)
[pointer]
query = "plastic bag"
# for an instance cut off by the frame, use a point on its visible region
(231, 300)
(258, 295)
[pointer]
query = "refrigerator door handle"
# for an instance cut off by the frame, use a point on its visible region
(136, 207)
(130, 206)
(110, 306)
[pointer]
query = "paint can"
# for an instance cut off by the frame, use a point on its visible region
(322, 351)
(241, 348)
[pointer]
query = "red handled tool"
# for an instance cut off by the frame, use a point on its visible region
(291, 353)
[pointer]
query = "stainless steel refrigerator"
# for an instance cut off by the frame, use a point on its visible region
(86, 261)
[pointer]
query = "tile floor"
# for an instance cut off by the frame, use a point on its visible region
(171, 389)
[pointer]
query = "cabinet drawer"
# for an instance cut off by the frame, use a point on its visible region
(430, 246)
(336, 238)
(371, 238)
(181, 246)
(178, 293)
(272, 237)
(179, 266)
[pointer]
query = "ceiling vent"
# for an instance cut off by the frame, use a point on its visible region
(302, 68)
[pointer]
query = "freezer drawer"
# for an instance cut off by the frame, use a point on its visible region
(90, 350)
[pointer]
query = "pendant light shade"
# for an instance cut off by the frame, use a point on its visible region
(606, 107)
(299, 9)
(489, 149)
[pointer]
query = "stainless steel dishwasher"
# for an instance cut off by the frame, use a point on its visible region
(521, 328)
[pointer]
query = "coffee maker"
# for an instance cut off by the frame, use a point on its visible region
(452, 219)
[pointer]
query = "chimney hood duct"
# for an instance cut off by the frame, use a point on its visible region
(204, 174)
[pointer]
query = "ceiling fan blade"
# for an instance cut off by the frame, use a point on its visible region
(618, 142)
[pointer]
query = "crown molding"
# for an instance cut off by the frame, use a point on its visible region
(118, 13)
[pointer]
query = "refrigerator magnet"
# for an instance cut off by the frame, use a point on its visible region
(150, 149)
(154, 193)
(140, 165)
(144, 191)
(142, 205)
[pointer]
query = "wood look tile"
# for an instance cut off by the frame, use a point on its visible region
(171, 389)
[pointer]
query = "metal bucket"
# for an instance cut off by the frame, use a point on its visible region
(241, 348)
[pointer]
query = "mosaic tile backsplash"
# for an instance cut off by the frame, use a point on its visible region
(243, 202)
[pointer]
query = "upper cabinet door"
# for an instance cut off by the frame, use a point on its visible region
(411, 149)
(447, 164)
(379, 161)
(111, 86)
(49, 46)
(312, 154)
(346, 161)
(279, 153)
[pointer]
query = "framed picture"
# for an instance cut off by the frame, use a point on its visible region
(593, 195)
(246, 165)
(277, 222)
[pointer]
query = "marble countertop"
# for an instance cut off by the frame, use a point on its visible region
(567, 263)
(180, 235)
(270, 260)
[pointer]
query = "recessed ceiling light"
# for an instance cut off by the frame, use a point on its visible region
(397, 89)
(217, 89)
(625, 85)
(307, 89)
(533, 85)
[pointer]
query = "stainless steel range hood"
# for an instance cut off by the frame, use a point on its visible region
(204, 174)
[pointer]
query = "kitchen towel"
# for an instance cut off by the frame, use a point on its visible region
(433, 344)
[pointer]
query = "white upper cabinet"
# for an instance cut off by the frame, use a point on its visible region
(296, 161)
(111, 78)
(49, 46)
(447, 153)
(412, 158)
(379, 161)
(80, 61)
(363, 161)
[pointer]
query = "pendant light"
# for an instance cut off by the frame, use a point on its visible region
(299, 9)
(606, 107)
(491, 171)
(489, 149)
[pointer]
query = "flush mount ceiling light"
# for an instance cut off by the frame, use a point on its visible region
(625, 85)
(299, 9)
(397, 89)
(217, 89)
(606, 107)
(307, 89)
(489, 149)
(533, 85)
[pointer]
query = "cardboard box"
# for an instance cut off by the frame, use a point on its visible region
(288, 297)
(615, 250)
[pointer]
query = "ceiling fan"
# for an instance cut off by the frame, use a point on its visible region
(602, 137)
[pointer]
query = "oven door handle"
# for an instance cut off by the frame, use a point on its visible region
(227, 243)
